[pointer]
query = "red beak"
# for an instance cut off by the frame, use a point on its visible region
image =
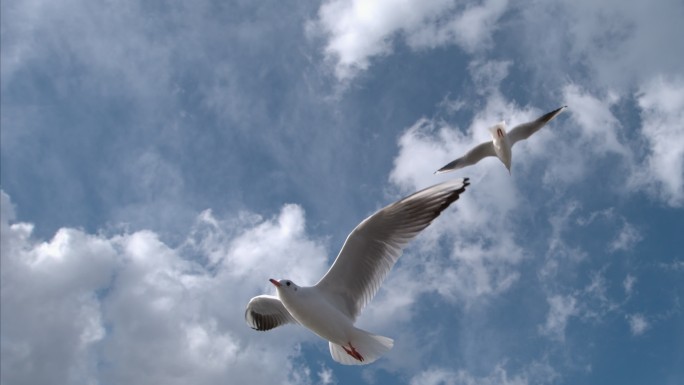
(274, 282)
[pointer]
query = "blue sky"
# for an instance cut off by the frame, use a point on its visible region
(161, 161)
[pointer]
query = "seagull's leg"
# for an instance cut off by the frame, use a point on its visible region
(352, 352)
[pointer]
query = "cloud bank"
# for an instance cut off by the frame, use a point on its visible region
(128, 308)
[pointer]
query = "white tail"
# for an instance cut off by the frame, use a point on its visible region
(370, 346)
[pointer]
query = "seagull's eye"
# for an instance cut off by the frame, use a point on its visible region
(288, 283)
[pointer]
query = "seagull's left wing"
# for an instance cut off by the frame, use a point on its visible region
(265, 312)
(523, 131)
(374, 246)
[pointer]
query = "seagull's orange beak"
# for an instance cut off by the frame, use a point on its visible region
(274, 282)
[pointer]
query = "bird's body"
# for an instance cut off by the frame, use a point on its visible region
(330, 308)
(328, 322)
(502, 143)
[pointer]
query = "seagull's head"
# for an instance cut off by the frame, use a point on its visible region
(284, 285)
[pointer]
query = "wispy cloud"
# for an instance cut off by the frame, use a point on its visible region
(326, 376)
(626, 239)
(629, 283)
(561, 308)
(638, 324)
(536, 372)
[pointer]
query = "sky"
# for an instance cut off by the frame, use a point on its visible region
(161, 160)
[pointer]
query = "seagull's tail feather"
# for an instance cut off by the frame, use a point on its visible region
(369, 346)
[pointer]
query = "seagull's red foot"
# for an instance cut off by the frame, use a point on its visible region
(352, 352)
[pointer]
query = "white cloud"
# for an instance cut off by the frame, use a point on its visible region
(673, 266)
(128, 308)
(51, 318)
(325, 376)
(561, 254)
(595, 302)
(628, 284)
(626, 239)
(471, 29)
(628, 235)
(482, 253)
(534, 373)
(662, 112)
(613, 42)
(592, 134)
(561, 308)
(618, 40)
(638, 324)
(358, 30)
(487, 75)
(599, 128)
(608, 44)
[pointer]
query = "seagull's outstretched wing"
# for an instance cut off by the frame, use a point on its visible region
(473, 156)
(374, 246)
(523, 131)
(265, 312)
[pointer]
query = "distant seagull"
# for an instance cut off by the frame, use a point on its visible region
(331, 307)
(501, 143)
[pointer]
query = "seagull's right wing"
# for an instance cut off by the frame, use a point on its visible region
(265, 312)
(523, 131)
(473, 156)
(375, 245)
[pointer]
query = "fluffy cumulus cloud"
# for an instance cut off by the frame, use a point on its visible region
(51, 316)
(128, 308)
(357, 30)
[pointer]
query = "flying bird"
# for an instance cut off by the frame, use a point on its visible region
(331, 306)
(501, 143)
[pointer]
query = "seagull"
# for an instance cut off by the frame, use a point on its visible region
(501, 143)
(331, 306)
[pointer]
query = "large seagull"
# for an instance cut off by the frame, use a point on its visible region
(330, 307)
(501, 143)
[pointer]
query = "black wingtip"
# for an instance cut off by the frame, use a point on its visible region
(453, 196)
(550, 115)
(443, 170)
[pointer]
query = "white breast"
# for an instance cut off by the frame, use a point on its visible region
(312, 310)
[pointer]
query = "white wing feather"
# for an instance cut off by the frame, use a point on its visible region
(374, 246)
(525, 130)
(265, 312)
(473, 156)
